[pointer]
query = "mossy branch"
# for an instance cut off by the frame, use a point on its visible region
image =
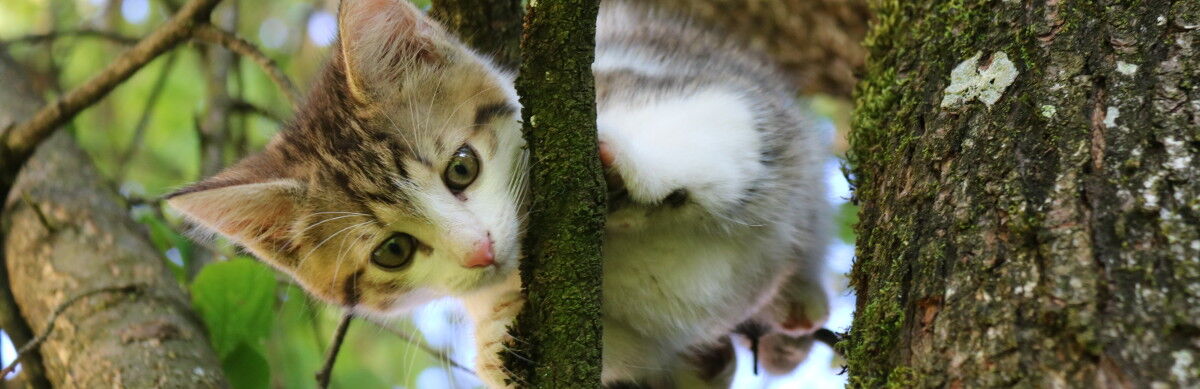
(559, 330)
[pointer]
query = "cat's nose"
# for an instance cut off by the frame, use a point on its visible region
(482, 256)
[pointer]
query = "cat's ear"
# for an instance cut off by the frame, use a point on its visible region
(381, 39)
(256, 214)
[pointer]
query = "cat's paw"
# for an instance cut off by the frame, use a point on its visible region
(780, 354)
(799, 309)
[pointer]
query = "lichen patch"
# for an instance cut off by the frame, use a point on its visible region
(970, 81)
(1110, 117)
(1127, 69)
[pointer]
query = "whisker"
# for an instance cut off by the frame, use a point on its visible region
(322, 243)
(310, 226)
(337, 269)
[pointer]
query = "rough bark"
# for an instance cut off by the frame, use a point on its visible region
(558, 332)
(492, 28)
(67, 234)
(15, 105)
(815, 41)
(1051, 239)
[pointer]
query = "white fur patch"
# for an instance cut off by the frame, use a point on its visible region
(705, 142)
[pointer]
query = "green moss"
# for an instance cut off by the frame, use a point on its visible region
(902, 377)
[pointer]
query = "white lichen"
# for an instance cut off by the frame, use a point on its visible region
(1048, 111)
(1178, 158)
(1127, 69)
(1182, 367)
(1150, 191)
(1110, 117)
(968, 81)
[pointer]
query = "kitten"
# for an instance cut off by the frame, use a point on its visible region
(401, 179)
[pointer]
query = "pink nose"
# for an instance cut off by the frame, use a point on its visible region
(482, 257)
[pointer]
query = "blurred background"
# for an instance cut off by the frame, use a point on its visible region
(198, 108)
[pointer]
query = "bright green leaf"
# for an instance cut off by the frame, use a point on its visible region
(235, 298)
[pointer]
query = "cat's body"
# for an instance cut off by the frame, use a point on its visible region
(401, 180)
(725, 196)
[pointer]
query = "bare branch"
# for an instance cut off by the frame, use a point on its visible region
(33, 344)
(210, 34)
(243, 106)
(84, 33)
(18, 142)
(339, 336)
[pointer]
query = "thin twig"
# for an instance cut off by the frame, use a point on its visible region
(84, 33)
(243, 106)
(211, 34)
(19, 142)
(415, 341)
(339, 336)
(139, 132)
(62, 307)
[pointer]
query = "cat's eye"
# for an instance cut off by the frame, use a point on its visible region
(395, 252)
(462, 169)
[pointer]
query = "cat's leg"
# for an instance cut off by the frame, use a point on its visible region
(493, 311)
(709, 366)
(800, 307)
(779, 353)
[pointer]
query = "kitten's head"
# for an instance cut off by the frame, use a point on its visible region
(399, 180)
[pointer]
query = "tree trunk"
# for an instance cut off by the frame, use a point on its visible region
(16, 104)
(492, 28)
(558, 331)
(1029, 183)
(67, 235)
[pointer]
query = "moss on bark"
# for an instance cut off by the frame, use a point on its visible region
(1050, 239)
(558, 332)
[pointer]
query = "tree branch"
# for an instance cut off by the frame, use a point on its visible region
(331, 355)
(83, 33)
(19, 141)
(211, 34)
(37, 341)
(560, 325)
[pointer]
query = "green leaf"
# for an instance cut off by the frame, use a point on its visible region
(247, 368)
(235, 298)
